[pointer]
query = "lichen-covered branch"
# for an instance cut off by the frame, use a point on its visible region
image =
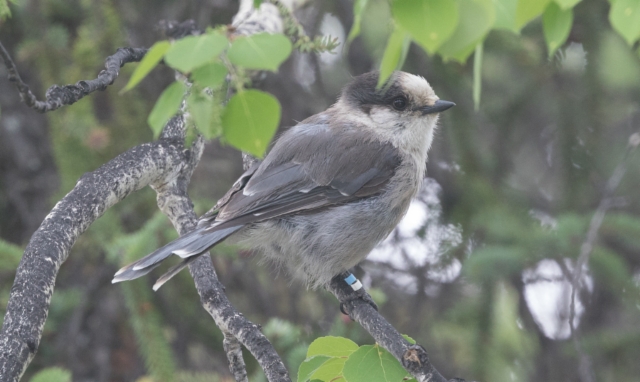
(49, 246)
(58, 96)
(412, 357)
(175, 203)
(237, 366)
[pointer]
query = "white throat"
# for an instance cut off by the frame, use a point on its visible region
(411, 135)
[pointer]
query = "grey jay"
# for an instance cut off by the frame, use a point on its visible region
(329, 190)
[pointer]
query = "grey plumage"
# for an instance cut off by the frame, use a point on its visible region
(329, 190)
(193, 243)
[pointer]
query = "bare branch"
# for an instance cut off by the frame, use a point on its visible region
(585, 369)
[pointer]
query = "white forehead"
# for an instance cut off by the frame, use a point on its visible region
(417, 87)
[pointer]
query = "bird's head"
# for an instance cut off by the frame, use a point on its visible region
(404, 111)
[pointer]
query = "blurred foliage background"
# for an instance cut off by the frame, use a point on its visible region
(517, 181)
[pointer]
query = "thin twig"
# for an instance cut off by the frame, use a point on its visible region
(607, 201)
(58, 96)
(295, 31)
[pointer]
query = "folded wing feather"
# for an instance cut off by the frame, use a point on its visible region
(308, 168)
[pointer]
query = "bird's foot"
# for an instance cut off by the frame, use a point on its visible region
(358, 294)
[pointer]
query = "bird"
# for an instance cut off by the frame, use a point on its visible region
(329, 189)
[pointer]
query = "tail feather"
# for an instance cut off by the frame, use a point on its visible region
(128, 273)
(187, 246)
(172, 272)
(177, 246)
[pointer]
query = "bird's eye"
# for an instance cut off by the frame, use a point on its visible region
(399, 103)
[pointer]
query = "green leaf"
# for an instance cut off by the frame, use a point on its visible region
(505, 14)
(309, 366)
(358, 10)
(166, 107)
(263, 51)
(408, 338)
(567, 4)
(250, 120)
(430, 22)
(52, 374)
(257, 3)
(556, 25)
(625, 19)
(528, 10)
(150, 61)
(330, 370)
(615, 53)
(194, 51)
(332, 347)
(191, 136)
(201, 110)
(5, 11)
(210, 75)
(476, 19)
(477, 76)
(373, 363)
(394, 54)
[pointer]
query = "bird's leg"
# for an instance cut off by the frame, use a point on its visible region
(352, 290)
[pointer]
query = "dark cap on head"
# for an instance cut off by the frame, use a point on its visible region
(362, 92)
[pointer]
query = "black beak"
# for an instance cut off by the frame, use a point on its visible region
(437, 107)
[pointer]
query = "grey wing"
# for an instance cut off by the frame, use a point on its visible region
(239, 184)
(310, 168)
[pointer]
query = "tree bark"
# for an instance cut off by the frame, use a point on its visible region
(49, 246)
